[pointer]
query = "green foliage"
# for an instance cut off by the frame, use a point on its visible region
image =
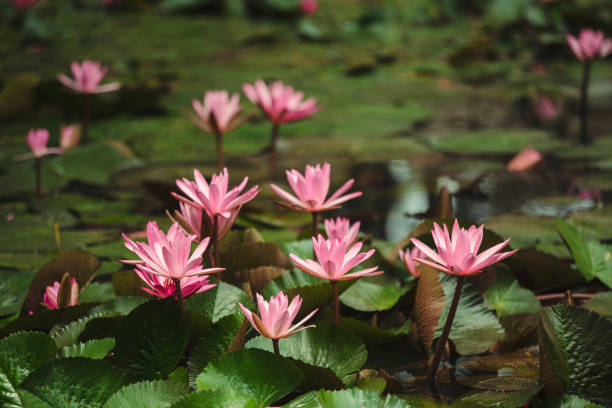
(576, 345)
(222, 398)
(600, 303)
(67, 382)
(20, 354)
(95, 349)
(367, 296)
(218, 302)
(147, 394)
(151, 340)
(569, 401)
(508, 298)
(242, 371)
(353, 397)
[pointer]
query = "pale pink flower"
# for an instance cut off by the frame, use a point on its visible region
(341, 228)
(334, 262)
(69, 136)
(37, 141)
(190, 220)
(589, 45)
(50, 296)
(214, 197)
(218, 113)
(164, 287)
(526, 159)
(312, 188)
(280, 103)
(309, 7)
(459, 255)
(408, 259)
(24, 5)
(87, 77)
(546, 109)
(168, 255)
(277, 316)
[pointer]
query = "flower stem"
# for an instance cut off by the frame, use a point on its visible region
(219, 147)
(38, 176)
(585, 138)
(276, 347)
(179, 295)
(86, 117)
(433, 368)
(215, 240)
(315, 223)
(336, 304)
(273, 150)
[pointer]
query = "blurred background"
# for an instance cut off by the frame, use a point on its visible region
(415, 95)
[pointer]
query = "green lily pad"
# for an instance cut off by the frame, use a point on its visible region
(218, 302)
(595, 224)
(367, 296)
(242, 371)
(600, 303)
(494, 399)
(498, 141)
(573, 341)
(507, 297)
(525, 231)
(223, 398)
(95, 349)
(147, 394)
(353, 397)
(569, 401)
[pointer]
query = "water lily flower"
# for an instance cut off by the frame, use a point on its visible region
(589, 44)
(341, 228)
(459, 255)
(24, 5)
(309, 7)
(87, 78)
(69, 136)
(408, 259)
(214, 197)
(334, 261)
(190, 220)
(546, 109)
(168, 255)
(526, 159)
(277, 316)
(51, 292)
(37, 141)
(281, 103)
(164, 287)
(311, 190)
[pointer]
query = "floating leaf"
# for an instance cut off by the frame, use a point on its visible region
(223, 398)
(523, 362)
(600, 303)
(20, 354)
(367, 296)
(508, 298)
(569, 401)
(94, 349)
(151, 340)
(353, 397)
(254, 255)
(505, 383)
(261, 375)
(68, 382)
(575, 343)
(45, 319)
(218, 302)
(493, 399)
(68, 334)
(541, 272)
(147, 394)
(79, 264)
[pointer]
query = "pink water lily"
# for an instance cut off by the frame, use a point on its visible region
(69, 136)
(190, 220)
(51, 292)
(87, 78)
(526, 159)
(589, 44)
(334, 262)
(163, 287)
(459, 255)
(214, 197)
(311, 190)
(408, 259)
(277, 316)
(341, 228)
(218, 112)
(309, 7)
(37, 141)
(546, 109)
(281, 103)
(168, 255)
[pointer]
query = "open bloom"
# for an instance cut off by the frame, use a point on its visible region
(589, 44)
(69, 136)
(277, 316)
(214, 197)
(281, 103)
(168, 255)
(37, 141)
(408, 259)
(526, 159)
(309, 7)
(218, 113)
(163, 287)
(87, 77)
(459, 255)
(334, 262)
(341, 228)
(311, 190)
(190, 220)
(50, 296)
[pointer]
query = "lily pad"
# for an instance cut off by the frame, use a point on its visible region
(353, 397)
(600, 303)
(367, 296)
(498, 141)
(507, 297)
(95, 349)
(147, 394)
